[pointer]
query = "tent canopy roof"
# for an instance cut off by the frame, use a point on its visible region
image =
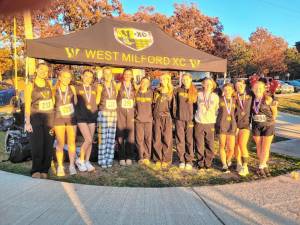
(123, 43)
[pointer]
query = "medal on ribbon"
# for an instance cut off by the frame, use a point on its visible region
(256, 105)
(228, 109)
(88, 96)
(242, 103)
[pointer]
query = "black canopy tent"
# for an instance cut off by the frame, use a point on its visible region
(122, 43)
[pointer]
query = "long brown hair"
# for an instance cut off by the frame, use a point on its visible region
(192, 92)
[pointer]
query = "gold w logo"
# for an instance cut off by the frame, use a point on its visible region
(72, 52)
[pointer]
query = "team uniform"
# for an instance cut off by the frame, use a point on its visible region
(143, 123)
(243, 111)
(204, 132)
(263, 123)
(184, 113)
(107, 120)
(162, 141)
(226, 123)
(64, 108)
(41, 119)
(125, 122)
(86, 108)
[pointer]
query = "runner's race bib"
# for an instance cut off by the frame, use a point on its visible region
(127, 103)
(45, 105)
(260, 118)
(111, 104)
(66, 110)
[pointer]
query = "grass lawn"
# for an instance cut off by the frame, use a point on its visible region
(289, 104)
(140, 176)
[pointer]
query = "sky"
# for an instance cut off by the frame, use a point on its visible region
(239, 17)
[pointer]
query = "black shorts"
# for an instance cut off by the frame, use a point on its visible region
(263, 130)
(227, 129)
(86, 120)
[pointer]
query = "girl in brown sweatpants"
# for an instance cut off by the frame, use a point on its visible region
(185, 97)
(143, 121)
(125, 119)
(162, 141)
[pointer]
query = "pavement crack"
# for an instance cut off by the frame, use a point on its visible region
(207, 205)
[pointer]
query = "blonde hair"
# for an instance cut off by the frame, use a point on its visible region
(169, 85)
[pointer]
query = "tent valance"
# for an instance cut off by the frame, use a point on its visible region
(122, 43)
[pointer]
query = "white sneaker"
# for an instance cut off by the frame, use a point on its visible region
(128, 162)
(81, 165)
(244, 171)
(60, 172)
(239, 167)
(89, 166)
(72, 170)
(122, 162)
(188, 166)
(181, 166)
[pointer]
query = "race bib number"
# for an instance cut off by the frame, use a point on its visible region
(45, 105)
(66, 110)
(127, 103)
(260, 118)
(111, 104)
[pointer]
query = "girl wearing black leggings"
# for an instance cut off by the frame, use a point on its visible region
(39, 121)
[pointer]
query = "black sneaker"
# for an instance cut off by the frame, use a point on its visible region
(267, 172)
(225, 170)
(261, 173)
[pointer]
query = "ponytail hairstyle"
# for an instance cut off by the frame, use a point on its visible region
(192, 92)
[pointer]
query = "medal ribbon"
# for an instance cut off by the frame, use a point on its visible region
(257, 106)
(109, 90)
(206, 100)
(242, 102)
(88, 95)
(226, 105)
(64, 99)
(128, 91)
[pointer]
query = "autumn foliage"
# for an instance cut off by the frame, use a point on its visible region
(262, 53)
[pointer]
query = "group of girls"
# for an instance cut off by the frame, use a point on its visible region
(136, 117)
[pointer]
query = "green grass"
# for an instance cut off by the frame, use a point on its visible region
(141, 176)
(289, 104)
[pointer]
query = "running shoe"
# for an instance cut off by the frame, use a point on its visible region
(60, 172)
(80, 165)
(72, 170)
(89, 166)
(181, 166)
(122, 162)
(188, 167)
(128, 162)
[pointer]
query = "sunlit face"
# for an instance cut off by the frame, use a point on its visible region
(259, 89)
(145, 84)
(127, 75)
(42, 71)
(208, 85)
(228, 91)
(65, 78)
(187, 81)
(87, 78)
(165, 80)
(240, 87)
(107, 74)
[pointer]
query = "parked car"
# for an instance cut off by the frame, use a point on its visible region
(286, 88)
(7, 92)
(294, 83)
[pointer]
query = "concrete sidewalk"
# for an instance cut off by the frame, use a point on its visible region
(24, 200)
(288, 125)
